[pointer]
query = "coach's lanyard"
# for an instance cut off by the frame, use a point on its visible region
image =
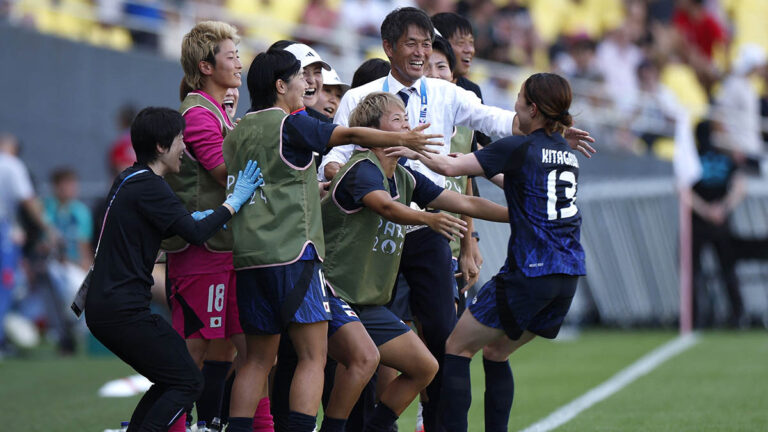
(109, 206)
(423, 109)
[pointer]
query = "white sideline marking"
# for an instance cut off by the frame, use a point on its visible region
(634, 371)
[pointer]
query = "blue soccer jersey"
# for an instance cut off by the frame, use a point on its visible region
(540, 184)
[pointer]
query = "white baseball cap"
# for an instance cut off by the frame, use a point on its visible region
(331, 77)
(306, 55)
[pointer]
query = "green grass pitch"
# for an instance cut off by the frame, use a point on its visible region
(720, 384)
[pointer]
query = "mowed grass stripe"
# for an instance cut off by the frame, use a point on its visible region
(641, 367)
(718, 385)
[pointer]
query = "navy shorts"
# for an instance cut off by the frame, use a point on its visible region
(341, 313)
(264, 297)
(381, 324)
(514, 302)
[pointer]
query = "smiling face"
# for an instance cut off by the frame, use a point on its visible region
(291, 93)
(394, 119)
(328, 100)
(438, 67)
(313, 75)
(230, 101)
(410, 55)
(171, 158)
(463, 45)
(226, 72)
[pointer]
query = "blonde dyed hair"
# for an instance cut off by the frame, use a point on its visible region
(202, 43)
(369, 111)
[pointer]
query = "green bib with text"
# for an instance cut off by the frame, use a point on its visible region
(283, 215)
(364, 249)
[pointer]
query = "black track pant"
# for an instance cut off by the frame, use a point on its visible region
(154, 349)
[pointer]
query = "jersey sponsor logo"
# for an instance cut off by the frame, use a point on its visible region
(560, 157)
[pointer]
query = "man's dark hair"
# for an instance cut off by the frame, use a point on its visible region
(265, 70)
(449, 24)
(442, 45)
(370, 70)
(154, 126)
(397, 22)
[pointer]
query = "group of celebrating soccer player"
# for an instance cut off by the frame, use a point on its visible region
(279, 267)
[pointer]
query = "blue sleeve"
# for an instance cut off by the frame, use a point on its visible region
(425, 191)
(504, 155)
(359, 181)
(303, 132)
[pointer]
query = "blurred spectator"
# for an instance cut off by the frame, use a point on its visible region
(320, 14)
(121, 154)
(617, 59)
(698, 27)
(71, 218)
(738, 104)
(715, 195)
(580, 63)
(656, 109)
(16, 193)
(364, 16)
(146, 20)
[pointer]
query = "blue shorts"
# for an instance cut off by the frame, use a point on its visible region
(270, 298)
(341, 313)
(514, 302)
(381, 324)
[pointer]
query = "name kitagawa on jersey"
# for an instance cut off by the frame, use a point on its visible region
(559, 157)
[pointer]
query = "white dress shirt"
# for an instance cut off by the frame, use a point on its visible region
(448, 105)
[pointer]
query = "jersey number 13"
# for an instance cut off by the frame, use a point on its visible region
(566, 189)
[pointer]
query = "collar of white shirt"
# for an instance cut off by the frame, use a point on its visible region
(395, 85)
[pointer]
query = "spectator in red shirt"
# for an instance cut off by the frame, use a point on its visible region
(698, 27)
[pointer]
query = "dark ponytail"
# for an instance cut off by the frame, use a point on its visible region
(552, 95)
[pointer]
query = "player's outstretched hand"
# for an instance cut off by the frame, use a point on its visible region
(418, 141)
(247, 181)
(447, 225)
(401, 152)
(579, 140)
(200, 215)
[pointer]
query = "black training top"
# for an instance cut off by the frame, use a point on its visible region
(144, 212)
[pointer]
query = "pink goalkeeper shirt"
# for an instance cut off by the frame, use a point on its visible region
(203, 138)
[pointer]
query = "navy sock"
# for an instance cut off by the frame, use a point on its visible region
(209, 402)
(299, 422)
(499, 392)
(456, 393)
(331, 424)
(240, 424)
(226, 398)
(382, 419)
